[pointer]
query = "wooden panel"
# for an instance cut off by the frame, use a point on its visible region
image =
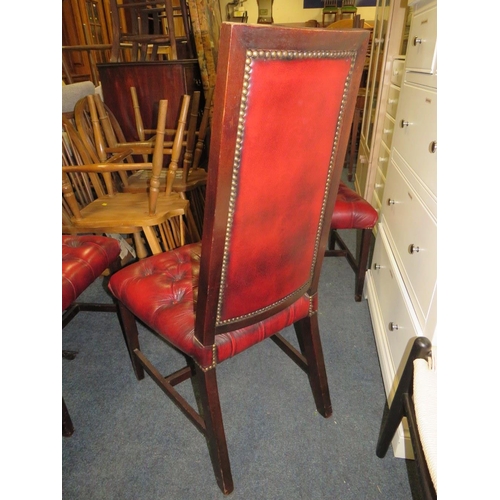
(153, 81)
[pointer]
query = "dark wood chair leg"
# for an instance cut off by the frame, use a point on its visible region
(67, 424)
(131, 334)
(363, 253)
(208, 393)
(307, 331)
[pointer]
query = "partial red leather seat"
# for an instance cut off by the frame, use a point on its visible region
(352, 211)
(84, 259)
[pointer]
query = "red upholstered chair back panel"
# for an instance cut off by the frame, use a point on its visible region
(281, 181)
(275, 164)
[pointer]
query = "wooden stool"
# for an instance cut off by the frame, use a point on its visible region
(352, 212)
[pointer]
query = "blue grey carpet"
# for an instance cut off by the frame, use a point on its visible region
(131, 442)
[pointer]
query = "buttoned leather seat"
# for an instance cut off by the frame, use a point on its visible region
(352, 211)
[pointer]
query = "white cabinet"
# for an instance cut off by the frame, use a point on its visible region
(402, 280)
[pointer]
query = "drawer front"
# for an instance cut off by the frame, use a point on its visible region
(388, 130)
(392, 101)
(415, 133)
(398, 71)
(398, 325)
(421, 55)
(413, 234)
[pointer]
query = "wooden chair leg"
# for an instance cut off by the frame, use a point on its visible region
(67, 424)
(131, 334)
(206, 385)
(363, 253)
(140, 248)
(307, 331)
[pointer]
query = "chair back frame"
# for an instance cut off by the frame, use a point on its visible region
(245, 274)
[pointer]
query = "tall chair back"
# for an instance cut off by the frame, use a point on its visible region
(267, 161)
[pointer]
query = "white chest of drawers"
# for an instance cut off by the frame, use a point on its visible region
(388, 131)
(402, 284)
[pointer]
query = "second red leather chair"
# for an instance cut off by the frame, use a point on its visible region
(84, 259)
(352, 211)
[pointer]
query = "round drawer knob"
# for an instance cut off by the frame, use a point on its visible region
(413, 248)
(377, 267)
(390, 201)
(433, 146)
(417, 41)
(404, 123)
(393, 326)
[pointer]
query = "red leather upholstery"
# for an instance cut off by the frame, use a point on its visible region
(352, 211)
(163, 289)
(84, 258)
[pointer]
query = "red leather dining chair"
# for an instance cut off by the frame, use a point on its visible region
(352, 211)
(254, 273)
(84, 259)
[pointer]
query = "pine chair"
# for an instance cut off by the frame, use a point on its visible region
(84, 259)
(254, 273)
(191, 178)
(416, 399)
(102, 134)
(159, 215)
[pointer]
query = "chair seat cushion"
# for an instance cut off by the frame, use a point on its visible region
(162, 291)
(84, 259)
(352, 211)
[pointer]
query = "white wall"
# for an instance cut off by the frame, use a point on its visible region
(291, 11)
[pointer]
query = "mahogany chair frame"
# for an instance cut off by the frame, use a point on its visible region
(238, 285)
